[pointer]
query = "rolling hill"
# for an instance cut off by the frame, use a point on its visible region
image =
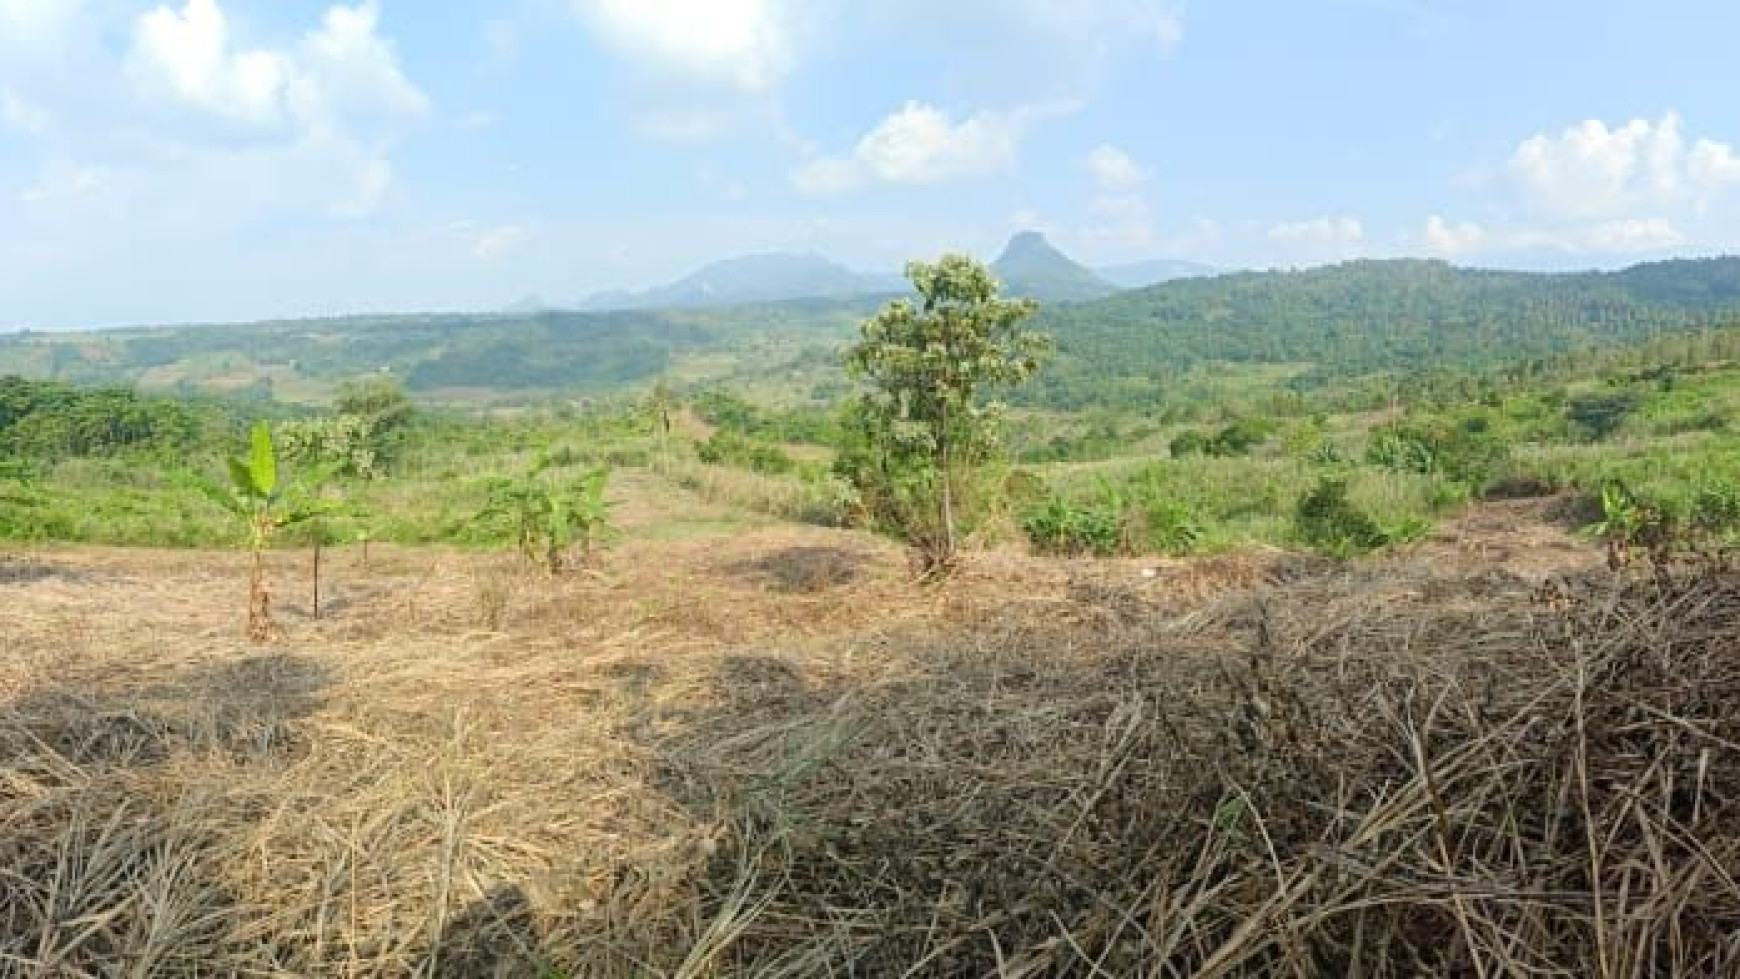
(763, 278)
(1372, 316)
(1329, 323)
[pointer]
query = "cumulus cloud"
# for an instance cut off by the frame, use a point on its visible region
(1449, 240)
(1113, 170)
(1594, 189)
(920, 145)
(343, 70)
(173, 105)
(742, 43)
(1592, 171)
(1319, 231)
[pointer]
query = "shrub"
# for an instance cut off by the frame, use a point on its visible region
(1466, 451)
(1597, 416)
(1326, 520)
(1061, 527)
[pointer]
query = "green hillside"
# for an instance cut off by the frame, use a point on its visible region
(1369, 317)
(1327, 325)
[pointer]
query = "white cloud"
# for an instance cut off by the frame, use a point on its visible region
(499, 241)
(183, 109)
(1591, 171)
(342, 71)
(35, 23)
(1451, 240)
(1622, 236)
(1113, 170)
(1629, 235)
(1320, 232)
(742, 43)
(920, 145)
(186, 56)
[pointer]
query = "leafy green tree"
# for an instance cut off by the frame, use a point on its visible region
(265, 504)
(926, 364)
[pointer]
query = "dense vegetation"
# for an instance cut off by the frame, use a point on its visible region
(1268, 335)
(1366, 317)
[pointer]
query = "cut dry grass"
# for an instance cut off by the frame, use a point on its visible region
(774, 755)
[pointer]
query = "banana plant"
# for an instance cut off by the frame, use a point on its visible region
(1626, 522)
(546, 519)
(264, 504)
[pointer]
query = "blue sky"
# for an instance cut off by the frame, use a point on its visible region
(227, 159)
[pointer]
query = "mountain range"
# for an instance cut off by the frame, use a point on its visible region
(1028, 266)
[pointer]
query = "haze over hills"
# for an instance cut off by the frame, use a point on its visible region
(1135, 275)
(1340, 321)
(766, 277)
(1031, 266)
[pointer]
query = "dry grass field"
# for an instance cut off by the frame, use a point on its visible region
(769, 752)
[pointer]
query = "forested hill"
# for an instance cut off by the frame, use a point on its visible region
(1367, 316)
(1329, 323)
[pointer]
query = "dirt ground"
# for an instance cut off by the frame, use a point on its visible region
(455, 724)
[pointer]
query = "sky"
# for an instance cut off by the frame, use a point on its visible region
(208, 160)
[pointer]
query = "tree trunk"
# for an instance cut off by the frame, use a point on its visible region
(259, 601)
(317, 576)
(945, 558)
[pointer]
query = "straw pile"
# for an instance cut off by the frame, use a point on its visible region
(1400, 769)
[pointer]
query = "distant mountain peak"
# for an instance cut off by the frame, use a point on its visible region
(1032, 266)
(759, 277)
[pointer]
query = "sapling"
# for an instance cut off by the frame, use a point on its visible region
(264, 504)
(546, 518)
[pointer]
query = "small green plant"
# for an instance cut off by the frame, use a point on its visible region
(1328, 521)
(1627, 523)
(546, 519)
(265, 504)
(1060, 527)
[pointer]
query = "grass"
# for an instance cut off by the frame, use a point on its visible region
(773, 754)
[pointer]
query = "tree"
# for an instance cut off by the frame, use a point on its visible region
(926, 364)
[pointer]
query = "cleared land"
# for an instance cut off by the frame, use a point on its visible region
(767, 752)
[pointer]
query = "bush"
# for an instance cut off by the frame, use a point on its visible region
(728, 448)
(1060, 527)
(1597, 416)
(1236, 439)
(1466, 451)
(1327, 521)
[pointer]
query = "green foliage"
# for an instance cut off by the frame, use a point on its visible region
(1326, 520)
(1367, 317)
(727, 448)
(257, 496)
(545, 518)
(1060, 527)
(1464, 450)
(1139, 517)
(266, 504)
(1599, 415)
(48, 420)
(923, 424)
